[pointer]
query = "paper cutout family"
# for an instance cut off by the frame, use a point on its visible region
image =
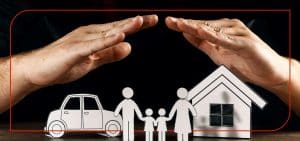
(221, 102)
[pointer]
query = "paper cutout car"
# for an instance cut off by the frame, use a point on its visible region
(82, 112)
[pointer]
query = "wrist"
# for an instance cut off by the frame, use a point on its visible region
(282, 70)
(282, 78)
(21, 84)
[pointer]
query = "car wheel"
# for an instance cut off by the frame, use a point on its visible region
(112, 128)
(56, 129)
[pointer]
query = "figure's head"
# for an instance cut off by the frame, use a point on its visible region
(149, 112)
(127, 92)
(162, 112)
(182, 93)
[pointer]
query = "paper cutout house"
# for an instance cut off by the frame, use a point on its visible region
(223, 104)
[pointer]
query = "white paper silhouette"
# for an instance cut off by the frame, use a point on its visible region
(149, 124)
(220, 102)
(223, 102)
(82, 112)
(182, 108)
(162, 125)
(128, 107)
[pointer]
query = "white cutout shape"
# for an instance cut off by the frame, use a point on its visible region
(80, 116)
(182, 107)
(149, 124)
(161, 124)
(129, 108)
(220, 102)
(223, 102)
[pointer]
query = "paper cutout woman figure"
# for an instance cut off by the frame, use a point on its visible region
(182, 108)
(161, 124)
(149, 124)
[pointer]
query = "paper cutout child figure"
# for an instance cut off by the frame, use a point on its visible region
(182, 108)
(161, 124)
(149, 124)
(128, 107)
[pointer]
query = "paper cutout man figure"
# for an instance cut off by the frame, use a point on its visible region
(149, 124)
(182, 108)
(128, 107)
(161, 124)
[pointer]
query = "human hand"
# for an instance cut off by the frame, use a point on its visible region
(230, 42)
(80, 51)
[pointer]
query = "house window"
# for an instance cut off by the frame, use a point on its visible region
(221, 114)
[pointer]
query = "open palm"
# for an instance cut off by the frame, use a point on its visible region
(231, 43)
(82, 50)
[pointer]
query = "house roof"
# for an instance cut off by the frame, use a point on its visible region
(224, 76)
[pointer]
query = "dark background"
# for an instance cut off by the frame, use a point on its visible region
(161, 60)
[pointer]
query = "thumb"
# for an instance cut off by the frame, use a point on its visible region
(111, 54)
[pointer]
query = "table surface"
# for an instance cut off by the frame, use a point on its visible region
(5, 135)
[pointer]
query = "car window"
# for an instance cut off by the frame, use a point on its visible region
(73, 104)
(90, 104)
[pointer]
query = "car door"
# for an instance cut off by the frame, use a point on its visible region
(71, 113)
(92, 114)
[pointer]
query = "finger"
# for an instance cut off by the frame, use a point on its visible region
(207, 33)
(171, 23)
(141, 22)
(89, 47)
(203, 45)
(149, 21)
(103, 30)
(227, 26)
(146, 22)
(96, 28)
(128, 26)
(111, 54)
(234, 31)
(212, 23)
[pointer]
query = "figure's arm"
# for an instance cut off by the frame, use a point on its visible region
(138, 111)
(142, 118)
(68, 58)
(119, 108)
(168, 118)
(193, 110)
(154, 122)
(173, 110)
(231, 43)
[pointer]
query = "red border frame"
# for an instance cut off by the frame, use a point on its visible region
(289, 11)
